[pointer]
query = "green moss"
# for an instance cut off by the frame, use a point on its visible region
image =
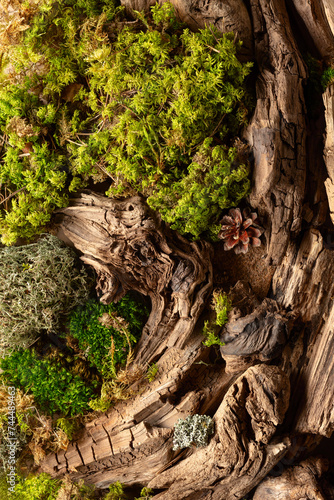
(116, 492)
(54, 388)
(106, 332)
(96, 97)
(44, 487)
(152, 372)
(327, 78)
(222, 305)
(40, 487)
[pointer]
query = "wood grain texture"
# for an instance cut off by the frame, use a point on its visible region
(277, 130)
(301, 481)
(239, 454)
(304, 283)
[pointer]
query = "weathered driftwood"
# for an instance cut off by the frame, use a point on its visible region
(301, 481)
(260, 335)
(304, 283)
(129, 250)
(239, 454)
(328, 98)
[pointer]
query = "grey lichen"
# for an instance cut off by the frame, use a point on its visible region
(194, 429)
(39, 283)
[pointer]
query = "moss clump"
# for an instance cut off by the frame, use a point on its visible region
(106, 333)
(54, 388)
(147, 105)
(327, 78)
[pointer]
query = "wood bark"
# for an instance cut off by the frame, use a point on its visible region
(271, 342)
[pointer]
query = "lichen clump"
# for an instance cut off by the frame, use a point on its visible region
(193, 430)
(39, 283)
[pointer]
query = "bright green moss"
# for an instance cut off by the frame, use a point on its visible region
(54, 388)
(106, 332)
(136, 103)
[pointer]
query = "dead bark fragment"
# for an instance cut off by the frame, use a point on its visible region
(260, 335)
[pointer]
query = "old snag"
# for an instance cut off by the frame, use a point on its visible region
(283, 340)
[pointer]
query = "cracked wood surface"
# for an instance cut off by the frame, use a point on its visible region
(304, 283)
(240, 453)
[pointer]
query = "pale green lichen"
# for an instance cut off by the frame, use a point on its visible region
(193, 430)
(38, 284)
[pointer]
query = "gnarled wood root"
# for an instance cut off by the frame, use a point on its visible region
(260, 335)
(129, 249)
(301, 481)
(240, 453)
